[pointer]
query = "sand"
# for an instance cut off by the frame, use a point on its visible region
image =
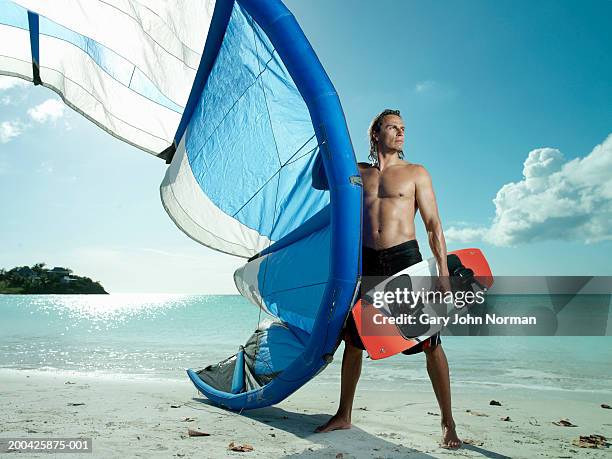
(132, 417)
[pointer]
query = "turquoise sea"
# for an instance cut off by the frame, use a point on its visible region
(158, 336)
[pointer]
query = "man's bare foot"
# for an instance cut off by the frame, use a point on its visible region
(449, 436)
(335, 423)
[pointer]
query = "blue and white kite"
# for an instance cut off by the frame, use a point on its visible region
(232, 95)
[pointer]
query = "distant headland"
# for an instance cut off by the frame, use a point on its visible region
(38, 279)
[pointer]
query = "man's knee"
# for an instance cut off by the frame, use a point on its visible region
(351, 350)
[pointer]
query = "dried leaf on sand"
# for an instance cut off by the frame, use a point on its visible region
(470, 441)
(475, 413)
(240, 448)
(564, 423)
(591, 441)
(197, 433)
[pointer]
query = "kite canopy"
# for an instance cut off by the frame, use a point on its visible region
(234, 95)
(128, 66)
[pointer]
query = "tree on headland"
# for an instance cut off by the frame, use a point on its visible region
(38, 279)
(39, 267)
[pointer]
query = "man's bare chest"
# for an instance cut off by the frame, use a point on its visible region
(388, 184)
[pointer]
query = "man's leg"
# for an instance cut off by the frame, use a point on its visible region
(351, 370)
(437, 368)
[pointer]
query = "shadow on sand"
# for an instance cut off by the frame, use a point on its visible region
(351, 443)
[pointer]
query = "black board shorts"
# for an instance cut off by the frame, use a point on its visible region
(387, 262)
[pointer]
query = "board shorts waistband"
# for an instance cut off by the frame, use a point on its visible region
(389, 251)
(389, 261)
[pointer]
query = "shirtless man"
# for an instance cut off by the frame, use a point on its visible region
(393, 190)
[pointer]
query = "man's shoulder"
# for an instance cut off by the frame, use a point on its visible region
(417, 168)
(412, 168)
(420, 175)
(366, 168)
(412, 172)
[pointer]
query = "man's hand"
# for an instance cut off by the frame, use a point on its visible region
(443, 284)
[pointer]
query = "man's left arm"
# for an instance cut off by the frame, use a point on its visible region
(426, 201)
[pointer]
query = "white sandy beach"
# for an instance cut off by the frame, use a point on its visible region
(135, 418)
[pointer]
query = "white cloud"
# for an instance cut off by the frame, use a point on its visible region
(434, 91)
(423, 86)
(556, 199)
(9, 130)
(49, 110)
(7, 82)
(463, 235)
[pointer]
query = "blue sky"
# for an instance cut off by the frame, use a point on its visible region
(502, 100)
